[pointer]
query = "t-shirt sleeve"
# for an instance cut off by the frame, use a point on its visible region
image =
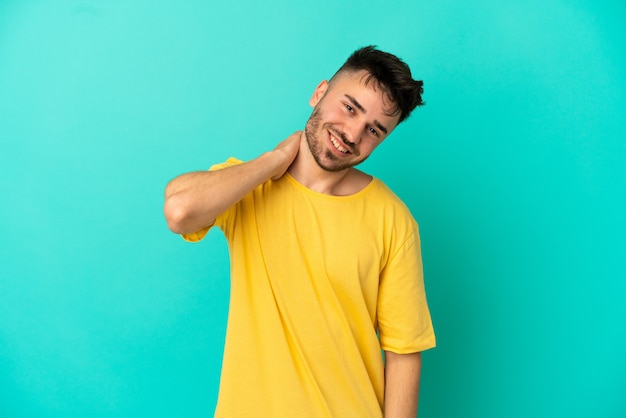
(404, 320)
(199, 235)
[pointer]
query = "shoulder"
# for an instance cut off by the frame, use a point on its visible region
(231, 161)
(393, 209)
(384, 191)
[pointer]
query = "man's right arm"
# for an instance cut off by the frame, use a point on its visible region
(194, 200)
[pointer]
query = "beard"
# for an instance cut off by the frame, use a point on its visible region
(325, 158)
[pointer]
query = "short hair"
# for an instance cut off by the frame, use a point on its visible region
(391, 74)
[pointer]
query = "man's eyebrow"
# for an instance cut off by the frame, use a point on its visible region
(356, 104)
(362, 109)
(381, 127)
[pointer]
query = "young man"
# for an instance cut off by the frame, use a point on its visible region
(325, 260)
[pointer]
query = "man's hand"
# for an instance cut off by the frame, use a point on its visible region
(286, 151)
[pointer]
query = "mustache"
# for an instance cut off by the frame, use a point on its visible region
(345, 140)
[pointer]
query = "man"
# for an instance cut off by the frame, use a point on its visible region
(325, 260)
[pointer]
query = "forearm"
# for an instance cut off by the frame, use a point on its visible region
(402, 383)
(194, 200)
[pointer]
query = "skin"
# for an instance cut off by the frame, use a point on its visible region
(402, 384)
(347, 115)
(348, 122)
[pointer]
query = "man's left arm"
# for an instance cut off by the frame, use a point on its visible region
(402, 384)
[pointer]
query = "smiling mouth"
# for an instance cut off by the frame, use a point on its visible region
(338, 145)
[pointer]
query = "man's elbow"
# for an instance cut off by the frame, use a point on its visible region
(176, 215)
(182, 218)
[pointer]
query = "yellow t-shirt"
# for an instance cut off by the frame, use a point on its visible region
(319, 284)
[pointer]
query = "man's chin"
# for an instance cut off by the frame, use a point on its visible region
(333, 165)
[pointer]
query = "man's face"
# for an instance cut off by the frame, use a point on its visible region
(348, 122)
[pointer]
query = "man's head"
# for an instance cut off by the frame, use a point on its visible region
(390, 74)
(359, 107)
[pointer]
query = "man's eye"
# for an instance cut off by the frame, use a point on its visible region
(350, 109)
(373, 131)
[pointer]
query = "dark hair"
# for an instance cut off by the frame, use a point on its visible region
(391, 74)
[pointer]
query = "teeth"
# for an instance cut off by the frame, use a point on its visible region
(338, 145)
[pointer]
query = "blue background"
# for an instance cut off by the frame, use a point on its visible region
(515, 170)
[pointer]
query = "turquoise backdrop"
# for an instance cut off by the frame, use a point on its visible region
(515, 170)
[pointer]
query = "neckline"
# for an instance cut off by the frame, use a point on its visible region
(373, 182)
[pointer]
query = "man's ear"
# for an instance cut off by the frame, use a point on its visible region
(319, 92)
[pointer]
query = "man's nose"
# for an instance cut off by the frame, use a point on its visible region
(353, 133)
